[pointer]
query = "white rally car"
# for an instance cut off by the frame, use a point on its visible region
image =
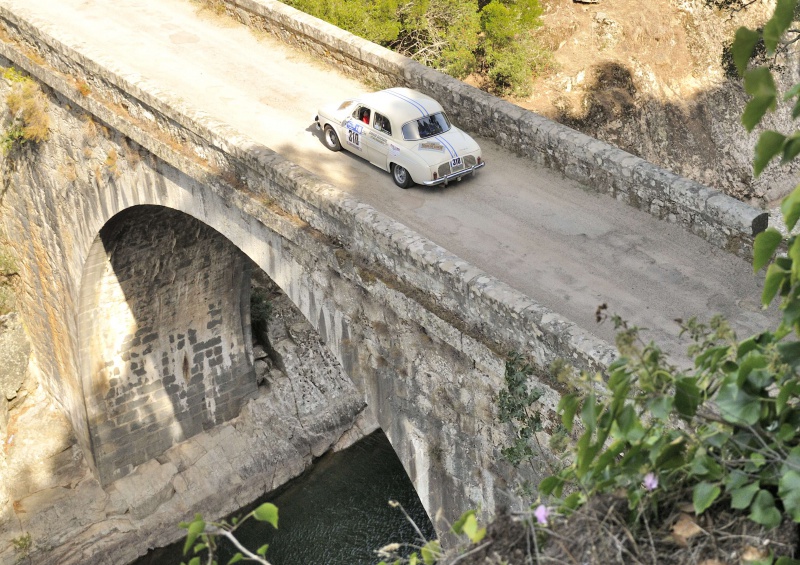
(404, 132)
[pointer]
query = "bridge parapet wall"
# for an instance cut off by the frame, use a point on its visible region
(720, 219)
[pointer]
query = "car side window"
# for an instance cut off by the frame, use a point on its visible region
(381, 123)
(362, 114)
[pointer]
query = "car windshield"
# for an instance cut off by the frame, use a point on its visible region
(426, 127)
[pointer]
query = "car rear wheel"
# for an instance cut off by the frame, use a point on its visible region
(401, 177)
(330, 139)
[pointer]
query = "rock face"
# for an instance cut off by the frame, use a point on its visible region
(305, 406)
(657, 79)
(14, 352)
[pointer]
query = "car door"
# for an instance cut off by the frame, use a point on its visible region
(356, 127)
(379, 140)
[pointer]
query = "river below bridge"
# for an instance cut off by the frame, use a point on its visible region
(336, 513)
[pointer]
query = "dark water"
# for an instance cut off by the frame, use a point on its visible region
(336, 513)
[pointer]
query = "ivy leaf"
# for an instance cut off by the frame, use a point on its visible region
(262, 551)
(760, 85)
(742, 48)
(742, 497)
(778, 23)
(236, 558)
(789, 491)
(704, 495)
(736, 406)
(770, 144)
(267, 512)
(763, 510)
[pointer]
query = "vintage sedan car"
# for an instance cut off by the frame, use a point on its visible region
(404, 132)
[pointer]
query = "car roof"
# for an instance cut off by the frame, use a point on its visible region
(401, 104)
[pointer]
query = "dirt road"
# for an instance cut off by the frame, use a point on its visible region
(565, 247)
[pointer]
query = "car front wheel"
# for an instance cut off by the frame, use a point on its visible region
(330, 139)
(401, 176)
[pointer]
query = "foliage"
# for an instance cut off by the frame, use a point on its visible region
(459, 37)
(27, 105)
(22, 544)
(515, 404)
(208, 534)
(728, 429)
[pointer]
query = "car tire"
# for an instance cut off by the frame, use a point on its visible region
(330, 139)
(401, 176)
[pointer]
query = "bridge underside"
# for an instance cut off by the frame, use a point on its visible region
(164, 336)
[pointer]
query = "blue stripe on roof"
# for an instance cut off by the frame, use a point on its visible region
(411, 101)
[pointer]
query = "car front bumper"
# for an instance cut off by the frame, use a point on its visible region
(457, 175)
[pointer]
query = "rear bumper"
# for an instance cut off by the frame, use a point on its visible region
(457, 175)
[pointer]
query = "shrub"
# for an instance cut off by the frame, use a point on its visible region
(27, 105)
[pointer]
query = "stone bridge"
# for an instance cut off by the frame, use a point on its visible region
(139, 222)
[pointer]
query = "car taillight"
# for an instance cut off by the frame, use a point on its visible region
(479, 160)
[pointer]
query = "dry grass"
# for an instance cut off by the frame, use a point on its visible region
(600, 534)
(27, 104)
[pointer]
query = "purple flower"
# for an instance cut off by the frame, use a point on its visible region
(541, 513)
(650, 482)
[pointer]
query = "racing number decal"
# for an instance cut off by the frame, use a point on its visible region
(354, 139)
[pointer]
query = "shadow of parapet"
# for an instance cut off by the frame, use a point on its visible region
(721, 219)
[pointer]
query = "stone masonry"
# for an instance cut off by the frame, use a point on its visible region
(163, 326)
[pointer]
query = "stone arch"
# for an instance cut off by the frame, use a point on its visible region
(164, 335)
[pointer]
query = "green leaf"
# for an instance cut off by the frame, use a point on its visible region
(195, 528)
(770, 144)
(194, 561)
(742, 48)
(764, 246)
(458, 527)
(772, 283)
(778, 24)
(236, 558)
(413, 559)
(661, 407)
(267, 512)
(787, 561)
(760, 85)
(790, 208)
(589, 413)
(704, 495)
(472, 531)
(567, 407)
(430, 552)
(791, 148)
(550, 485)
(736, 406)
(763, 510)
(262, 551)
(687, 397)
(789, 492)
(742, 497)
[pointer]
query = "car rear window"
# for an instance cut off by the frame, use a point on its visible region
(428, 126)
